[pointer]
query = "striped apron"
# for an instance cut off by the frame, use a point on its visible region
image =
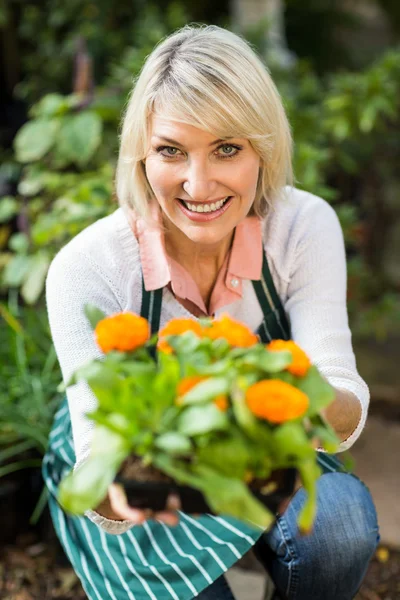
(153, 561)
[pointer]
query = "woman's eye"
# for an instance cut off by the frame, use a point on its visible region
(224, 151)
(168, 151)
(227, 150)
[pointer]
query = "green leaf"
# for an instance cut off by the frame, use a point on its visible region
(318, 390)
(174, 443)
(49, 106)
(367, 118)
(8, 208)
(268, 361)
(111, 390)
(220, 367)
(86, 487)
(19, 242)
(226, 495)
(245, 418)
(184, 344)
(35, 139)
(79, 137)
(290, 443)
(16, 270)
(164, 384)
(229, 456)
(206, 390)
(93, 314)
(34, 282)
(309, 473)
(201, 419)
(329, 439)
(33, 180)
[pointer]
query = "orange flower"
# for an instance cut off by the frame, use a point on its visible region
(221, 402)
(123, 332)
(235, 333)
(300, 363)
(276, 401)
(177, 327)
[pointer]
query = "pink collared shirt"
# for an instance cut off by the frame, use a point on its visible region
(243, 261)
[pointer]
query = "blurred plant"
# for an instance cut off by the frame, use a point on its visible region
(65, 183)
(28, 385)
(346, 131)
(46, 34)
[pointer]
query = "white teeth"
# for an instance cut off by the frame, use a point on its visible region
(206, 207)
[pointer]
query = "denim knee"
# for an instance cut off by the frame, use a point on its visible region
(331, 562)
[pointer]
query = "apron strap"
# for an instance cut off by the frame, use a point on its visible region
(275, 324)
(151, 307)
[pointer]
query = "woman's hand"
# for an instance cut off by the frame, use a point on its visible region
(115, 506)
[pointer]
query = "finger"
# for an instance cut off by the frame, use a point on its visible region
(173, 502)
(120, 506)
(169, 518)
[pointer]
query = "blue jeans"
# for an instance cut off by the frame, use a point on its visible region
(331, 562)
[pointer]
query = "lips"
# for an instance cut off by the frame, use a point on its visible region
(202, 216)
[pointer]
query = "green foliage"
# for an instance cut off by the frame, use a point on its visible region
(55, 37)
(346, 132)
(28, 386)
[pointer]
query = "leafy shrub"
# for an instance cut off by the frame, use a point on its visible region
(28, 386)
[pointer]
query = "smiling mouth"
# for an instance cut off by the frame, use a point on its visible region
(208, 207)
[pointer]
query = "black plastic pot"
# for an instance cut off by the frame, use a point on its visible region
(153, 494)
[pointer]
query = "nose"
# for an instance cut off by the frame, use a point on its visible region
(199, 181)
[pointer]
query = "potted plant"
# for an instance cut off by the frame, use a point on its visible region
(205, 409)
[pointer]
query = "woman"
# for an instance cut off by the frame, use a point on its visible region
(208, 225)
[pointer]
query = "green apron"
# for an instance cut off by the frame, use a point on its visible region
(153, 561)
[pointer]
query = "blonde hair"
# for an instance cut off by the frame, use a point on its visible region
(210, 78)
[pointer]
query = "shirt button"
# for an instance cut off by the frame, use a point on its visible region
(234, 282)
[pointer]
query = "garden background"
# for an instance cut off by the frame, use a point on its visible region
(65, 72)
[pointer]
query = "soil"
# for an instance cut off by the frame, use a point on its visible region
(133, 469)
(33, 570)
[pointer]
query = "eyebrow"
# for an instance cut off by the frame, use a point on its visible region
(176, 143)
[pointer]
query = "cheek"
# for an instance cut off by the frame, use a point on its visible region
(246, 178)
(160, 178)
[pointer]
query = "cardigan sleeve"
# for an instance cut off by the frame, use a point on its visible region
(316, 302)
(73, 280)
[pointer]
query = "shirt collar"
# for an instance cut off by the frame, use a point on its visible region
(245, 261)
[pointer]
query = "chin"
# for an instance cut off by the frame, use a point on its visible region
(205, 235)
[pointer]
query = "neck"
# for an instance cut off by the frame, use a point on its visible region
(188, 253)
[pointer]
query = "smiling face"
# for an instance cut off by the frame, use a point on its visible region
(205, 187)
